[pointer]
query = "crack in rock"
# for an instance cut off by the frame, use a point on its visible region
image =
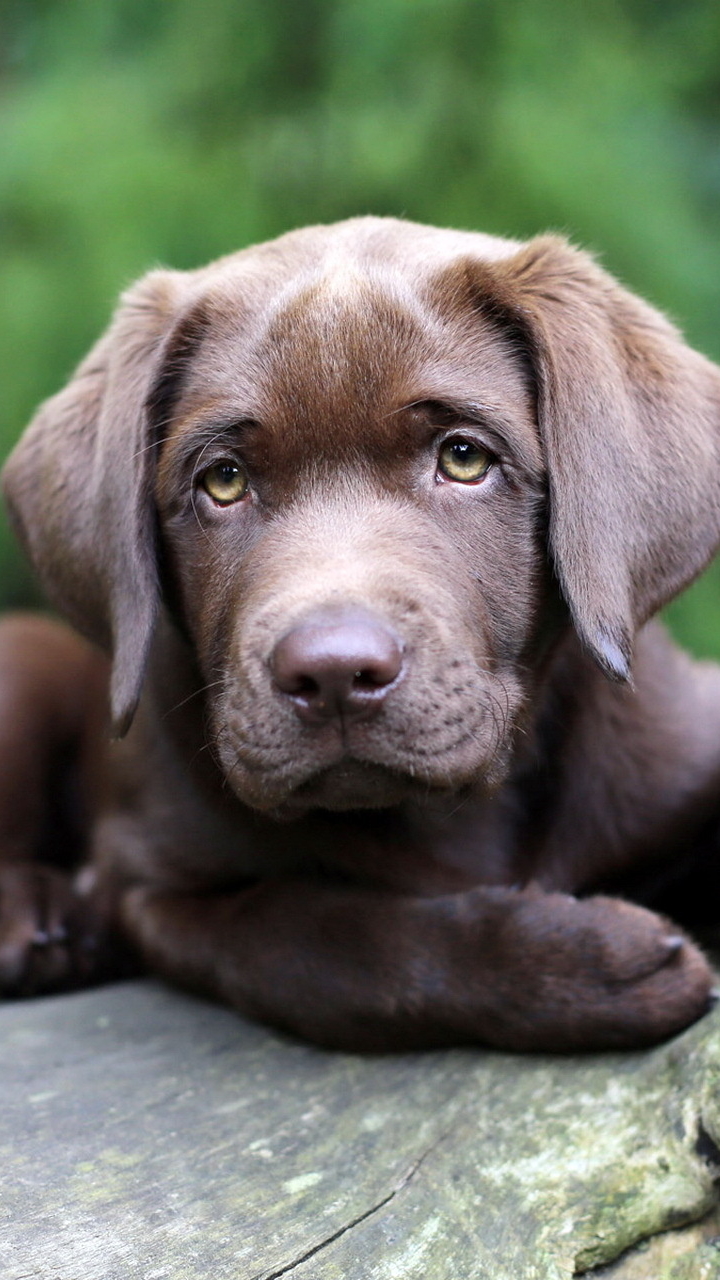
(707, 1149)
(348, 1226)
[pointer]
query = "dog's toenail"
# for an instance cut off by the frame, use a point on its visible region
(674, 942)
(40, 938)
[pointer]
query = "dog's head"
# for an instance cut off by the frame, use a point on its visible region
(355, 460)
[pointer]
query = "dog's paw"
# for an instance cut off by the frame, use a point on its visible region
(48, 934)
(601, 973)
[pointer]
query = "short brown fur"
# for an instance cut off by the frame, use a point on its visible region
(407, 854)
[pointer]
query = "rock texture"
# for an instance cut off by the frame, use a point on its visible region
(148, 1135)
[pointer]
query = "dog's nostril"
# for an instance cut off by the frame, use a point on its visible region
(303, 685)
(369, 679)
(337, 664)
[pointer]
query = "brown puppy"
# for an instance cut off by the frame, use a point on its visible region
(374, 518)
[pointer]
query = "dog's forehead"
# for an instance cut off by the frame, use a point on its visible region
(337, 342)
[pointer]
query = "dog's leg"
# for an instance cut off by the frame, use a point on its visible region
(358, 969)
(52, 726)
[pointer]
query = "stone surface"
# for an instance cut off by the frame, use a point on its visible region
(144, 1134)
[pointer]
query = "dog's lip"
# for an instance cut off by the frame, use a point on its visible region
(343, 776)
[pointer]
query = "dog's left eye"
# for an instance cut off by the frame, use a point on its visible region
(464, 461)
(226, 482)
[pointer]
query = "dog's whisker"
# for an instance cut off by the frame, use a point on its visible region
(196, 693)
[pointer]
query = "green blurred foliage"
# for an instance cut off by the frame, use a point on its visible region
(138, 132)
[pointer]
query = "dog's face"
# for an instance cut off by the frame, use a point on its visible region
(350, 498)
(358, 456)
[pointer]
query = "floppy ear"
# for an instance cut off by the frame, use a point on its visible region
(630, 421)
(79, 486)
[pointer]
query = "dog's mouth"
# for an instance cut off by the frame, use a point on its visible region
(338, 779)
(419, 745)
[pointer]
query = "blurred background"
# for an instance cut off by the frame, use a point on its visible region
(142, 132)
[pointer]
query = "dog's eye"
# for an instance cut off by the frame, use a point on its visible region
(464, 461)
(226, 482)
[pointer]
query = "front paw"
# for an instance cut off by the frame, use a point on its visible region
(50, 937)
(596, 973)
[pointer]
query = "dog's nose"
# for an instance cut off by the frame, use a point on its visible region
(337, 665)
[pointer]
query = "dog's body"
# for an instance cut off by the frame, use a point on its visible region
(412, 497)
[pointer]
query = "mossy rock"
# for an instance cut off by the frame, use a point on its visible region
(149, 1135)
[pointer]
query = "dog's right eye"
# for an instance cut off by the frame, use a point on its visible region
(464, 461)
(225, 481)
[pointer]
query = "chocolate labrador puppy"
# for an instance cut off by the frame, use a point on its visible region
(372, 520)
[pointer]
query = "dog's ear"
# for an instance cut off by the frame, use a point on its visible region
(630, 423)
(79, 484)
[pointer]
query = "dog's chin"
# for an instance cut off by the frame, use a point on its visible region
(346, 786)
(350, 785)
